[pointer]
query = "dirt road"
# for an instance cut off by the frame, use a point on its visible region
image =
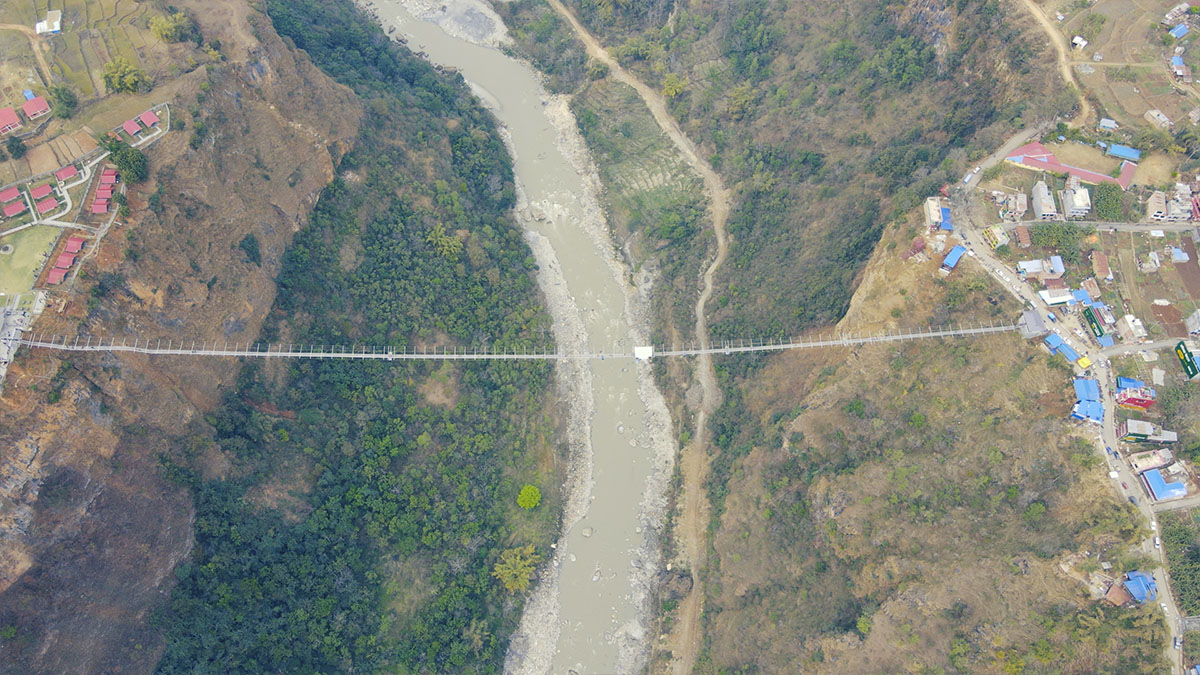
(692, 520)
(33, 44)
(1063, 51)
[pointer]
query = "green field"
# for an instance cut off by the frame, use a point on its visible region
(18, 267)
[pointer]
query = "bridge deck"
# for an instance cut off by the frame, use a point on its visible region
(199, 348)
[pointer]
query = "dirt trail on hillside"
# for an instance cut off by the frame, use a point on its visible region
(33, 44)
(693, 517)
(1063, 52)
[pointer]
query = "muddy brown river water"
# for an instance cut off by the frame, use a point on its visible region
(589, 611)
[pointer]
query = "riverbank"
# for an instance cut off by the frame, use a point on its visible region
(590, 610)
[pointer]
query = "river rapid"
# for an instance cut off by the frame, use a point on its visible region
(589, 612)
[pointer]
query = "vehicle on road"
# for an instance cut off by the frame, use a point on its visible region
(1153, 526)
(1163, 605)
(1157, 543)
(1178, 643)
(1124, 486)
(977, 169)
(1133, 500)
(967, 178)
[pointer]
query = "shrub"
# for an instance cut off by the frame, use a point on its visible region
(530, 497)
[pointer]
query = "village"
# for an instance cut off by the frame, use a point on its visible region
(1095, 232)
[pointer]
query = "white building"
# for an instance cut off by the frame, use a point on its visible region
(1156, 206)
(1193, 322)
(1158, 119)
(52, 25)
(1076, 201)
(1043, 202)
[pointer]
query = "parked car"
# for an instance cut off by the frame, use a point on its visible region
(1178, 643)
(1157, 543)
(1133, 500)
(1124, 486)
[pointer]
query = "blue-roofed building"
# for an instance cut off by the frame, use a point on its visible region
(1129, 383)
(1124, 152)
(1106, 341)
(1176, 60)
(29, 95)
(1141, 586)
(1082, 297)
(1160, 489)
(1069, 353)
(946, 223)
(1087, 389)
(1056, 266)
(1089, 411)
(953, 257)
(1179, 31)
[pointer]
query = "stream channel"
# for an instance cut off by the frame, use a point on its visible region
(589, 611)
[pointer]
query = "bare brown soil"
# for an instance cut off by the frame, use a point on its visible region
(1190, 270)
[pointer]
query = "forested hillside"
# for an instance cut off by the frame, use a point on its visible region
(879, 509)
(349, 515)
(827, 118)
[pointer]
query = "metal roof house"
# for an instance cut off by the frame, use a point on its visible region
(1107, 124)
(1124, 152)
(1087, 390)
(1179, 31)
(1160, 489)
(1141, 586)
(952, 258)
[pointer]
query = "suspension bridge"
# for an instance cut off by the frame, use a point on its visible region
(171, 347)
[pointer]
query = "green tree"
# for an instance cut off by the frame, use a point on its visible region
(130, 161)
(1108, 198)
(65, 101)
(673, 85)
(447, 245)
(516, 566)
(251, 248)
(1034, 513)
(174, 27)
(122, 76)
(530, 497)
(15, 147)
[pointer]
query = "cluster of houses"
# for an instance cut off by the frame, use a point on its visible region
(135, 126)
(104, 191)
(33, 108)
(44, 197)
(66, 259)
(1182, 204)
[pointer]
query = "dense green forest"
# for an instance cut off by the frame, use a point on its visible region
(363, 506)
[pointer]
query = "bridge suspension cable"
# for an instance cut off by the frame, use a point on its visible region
(172, 347)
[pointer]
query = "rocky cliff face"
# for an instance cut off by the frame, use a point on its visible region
(90, 531)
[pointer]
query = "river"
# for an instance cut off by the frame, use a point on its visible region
(590, 610)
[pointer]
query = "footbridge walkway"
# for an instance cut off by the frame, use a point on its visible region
(171, 347)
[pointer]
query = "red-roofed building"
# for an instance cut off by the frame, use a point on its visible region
(108, 178)
(1035, 157)
(41, 191)
(35, 107)
(47, 206)
(132, 127)
(74, 245)
(100, 207)
(105, 192)
(56, 276)
(16, 208)
(149, 118)
(68, 171)
(9, 121)
(65, 261)
(9, 195)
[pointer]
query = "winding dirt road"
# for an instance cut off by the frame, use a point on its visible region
(1063, 51)
(693, 517)
(33, 44)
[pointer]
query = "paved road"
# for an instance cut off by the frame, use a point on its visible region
(1113, 227)
(1127, 485)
